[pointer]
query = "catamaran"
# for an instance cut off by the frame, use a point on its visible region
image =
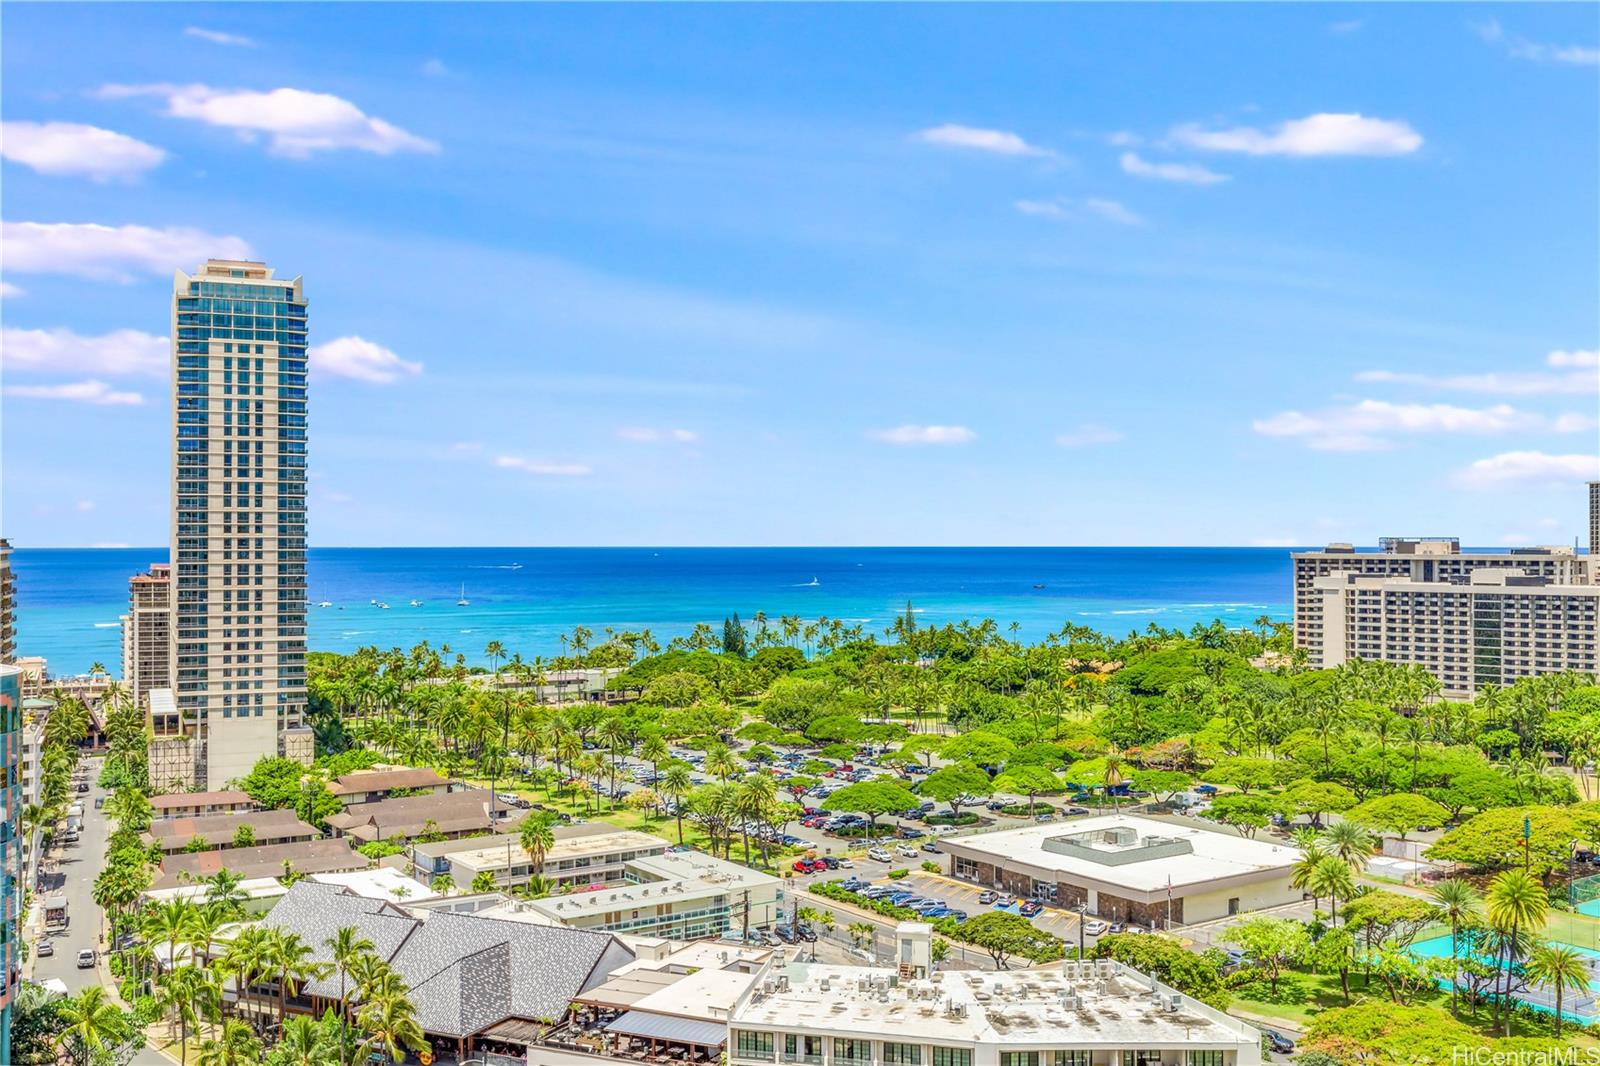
(463, 601)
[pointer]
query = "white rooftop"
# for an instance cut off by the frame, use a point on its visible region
(508, 852)
(684, 875)
(1096, 848)
(1060, 1005)
(379, 883)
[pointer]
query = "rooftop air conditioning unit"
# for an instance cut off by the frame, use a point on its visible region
(1069, 1001)
(1174, 1001)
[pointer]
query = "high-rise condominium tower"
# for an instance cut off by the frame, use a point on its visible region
(238, 512)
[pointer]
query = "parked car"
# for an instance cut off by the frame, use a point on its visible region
(783, 933)
(806, 933)
(1278, 1042)
(1005, 901)
(46, 949)
(879, 855)
(99, 802)
(758, 938)
(987, 897)
(931, 846)
(829, 861)
(906, 851)
(86, 959)
(1032, 907)
(1118, 927)
(1094, 927)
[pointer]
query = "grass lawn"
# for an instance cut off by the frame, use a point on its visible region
(1302, 996)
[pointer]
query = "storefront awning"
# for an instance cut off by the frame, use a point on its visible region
(649, 1026)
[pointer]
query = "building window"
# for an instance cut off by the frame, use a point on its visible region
(1019, 1058)
(799, 1047)
(1080, 1057)
(852, 1050)
(904, 1054)
(750, 1045)
(1205, 1058)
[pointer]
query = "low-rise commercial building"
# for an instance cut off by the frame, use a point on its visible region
(681, 895)
(1127, 868)
(449, 815)
(220, 831)
(263, 861)
(199, 804)
(582, 856)
(1092, 1013)
(366, 786)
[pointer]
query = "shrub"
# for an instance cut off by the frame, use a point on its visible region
(930, 866)
(895, 875)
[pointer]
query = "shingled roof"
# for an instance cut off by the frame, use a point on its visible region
(173, 834)
(306, 856)
(455, 812)
(466, 973)
(385, 780)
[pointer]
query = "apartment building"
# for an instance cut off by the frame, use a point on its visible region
(8, 605)
(1091, 1013)
(12, 885)
(147, 634)
(238, 513)
(1420, 559)
(582, 856)
(1499, 626)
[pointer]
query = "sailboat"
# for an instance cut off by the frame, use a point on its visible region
(325, 603)
(416, 603)
(463, 601)
(813, 583)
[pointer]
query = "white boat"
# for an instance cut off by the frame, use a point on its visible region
(813, 583)
(463, 601)
(516, 566)
(416, 603)
(383, 606)
(325, 603)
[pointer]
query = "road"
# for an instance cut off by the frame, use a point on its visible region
(76, 867)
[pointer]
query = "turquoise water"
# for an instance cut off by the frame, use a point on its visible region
(69, 599)
(1591, 908)
(1439, 948)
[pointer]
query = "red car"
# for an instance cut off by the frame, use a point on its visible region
(801, 866)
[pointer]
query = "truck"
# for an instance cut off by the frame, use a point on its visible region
(55, 913)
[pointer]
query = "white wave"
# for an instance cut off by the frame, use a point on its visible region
(107, 625)
(1141, 610)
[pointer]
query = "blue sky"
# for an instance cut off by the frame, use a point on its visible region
(1094, 274)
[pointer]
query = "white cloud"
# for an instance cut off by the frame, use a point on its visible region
(1521, 48)
(651, 435)
(1123, 139)
(1578, 373)
(1324, 134)
(434, 68)
(467, 447)
(1530, 468)
(1065, 210)
(1089, 435)
(1187, 173)
(97, 393)
(8, 290)
(298, 121)
(998, 142)
(84, 506)
(1348, 26)
(110, 253)
(69, 148)
(120, 352)
(542, 468)
(912, 435)
(1367, 425)
(231, 40)
(361, 359)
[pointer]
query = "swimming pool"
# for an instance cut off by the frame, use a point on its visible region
(1438, 947)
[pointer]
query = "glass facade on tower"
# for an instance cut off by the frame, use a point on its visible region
(239, 511)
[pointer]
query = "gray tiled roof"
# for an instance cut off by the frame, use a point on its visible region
(466, 972)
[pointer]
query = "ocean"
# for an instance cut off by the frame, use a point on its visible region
(69, 600)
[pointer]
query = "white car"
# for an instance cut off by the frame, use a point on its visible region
(1094, 927)
(907, 851)
(879, 855)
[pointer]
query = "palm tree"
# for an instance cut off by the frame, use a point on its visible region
(172, 921)
(237, 1046)
(1302, 874)
(292, 961)
(1333, 878)
(94, 1025)
(390, 1022)
(720, 763)
(677, 782)
(1515, 904)
(538, 837)
(1561, 968)
(1351, 842)
(1458, 903)
(191, 993)
(247, 958)
(348, 947)
(304, 1042)
(1115, 764)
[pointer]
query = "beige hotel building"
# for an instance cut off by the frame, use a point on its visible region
(238, 575)
(1469, 618)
